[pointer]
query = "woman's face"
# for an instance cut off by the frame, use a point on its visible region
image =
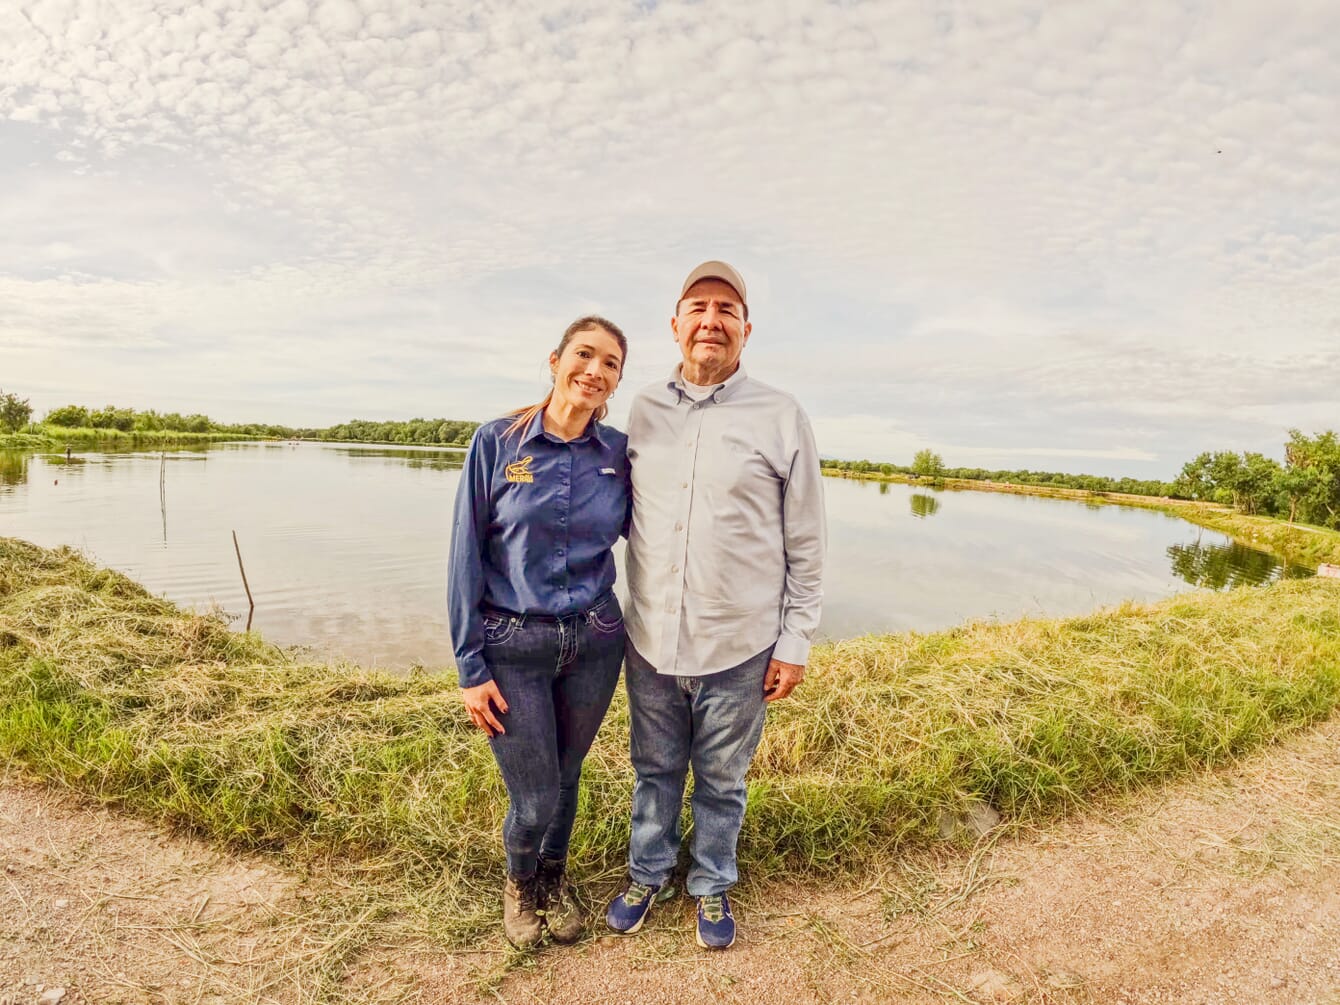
(588, 371)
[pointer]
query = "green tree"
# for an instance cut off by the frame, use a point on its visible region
(111, 417)
(149, 421)
(1300, 488)
(14, 412)
(1319, 502)
(68, 416)
(1256, 485)
(928, 464)
(1197, 479)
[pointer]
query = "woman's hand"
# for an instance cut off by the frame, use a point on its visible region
(479, 701)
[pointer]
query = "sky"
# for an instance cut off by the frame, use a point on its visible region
(1079, 236)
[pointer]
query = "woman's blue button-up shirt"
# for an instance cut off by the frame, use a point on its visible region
(536, 519)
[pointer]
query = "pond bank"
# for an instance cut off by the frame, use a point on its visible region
(1296, 543)
(55, 438)
(124, 696)
(1219, 887)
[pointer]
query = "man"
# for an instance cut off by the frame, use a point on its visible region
(725, 559)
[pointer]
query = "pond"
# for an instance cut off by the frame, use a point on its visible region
(345, 546)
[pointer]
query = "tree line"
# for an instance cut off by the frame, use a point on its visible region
(927, 464)
(445, 432)
(16, 413)
(1306, 487)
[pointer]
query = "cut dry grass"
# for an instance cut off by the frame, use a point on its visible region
(383, 782)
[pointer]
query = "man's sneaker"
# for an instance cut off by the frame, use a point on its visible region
(562, 914)
(522, 903)
(716, 925)
(628, 910)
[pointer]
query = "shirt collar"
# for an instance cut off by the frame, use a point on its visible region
(536, 428)
(723, 390)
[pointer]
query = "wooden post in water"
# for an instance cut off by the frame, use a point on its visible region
(162, 492)
(245, 586)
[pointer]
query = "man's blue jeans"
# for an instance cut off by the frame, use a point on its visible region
(557, 677)
(713, 724)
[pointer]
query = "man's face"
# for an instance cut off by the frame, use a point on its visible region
(710, 328)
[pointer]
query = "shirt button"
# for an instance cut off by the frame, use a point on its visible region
(673, 568)
(679, 526)
(683, 485)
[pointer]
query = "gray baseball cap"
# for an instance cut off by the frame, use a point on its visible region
(717, 270)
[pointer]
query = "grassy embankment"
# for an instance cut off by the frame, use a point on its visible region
(383, 782)
(59, 437)
(1299, 543)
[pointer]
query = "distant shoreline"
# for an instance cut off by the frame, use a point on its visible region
(1303, 544)
(171, 438)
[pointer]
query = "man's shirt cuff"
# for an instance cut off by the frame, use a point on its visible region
(790, 649)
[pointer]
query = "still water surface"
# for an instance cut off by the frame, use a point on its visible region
(345, 546)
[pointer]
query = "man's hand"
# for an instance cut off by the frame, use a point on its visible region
(781, 679)
(477, 702)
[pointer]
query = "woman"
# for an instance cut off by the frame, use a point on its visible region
(537, 630)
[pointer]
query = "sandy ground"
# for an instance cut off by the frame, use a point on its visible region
(1223, 888)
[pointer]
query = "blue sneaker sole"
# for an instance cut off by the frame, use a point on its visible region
(706, 945)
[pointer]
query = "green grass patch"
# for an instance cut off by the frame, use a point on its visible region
(120, 694)
(49, 437)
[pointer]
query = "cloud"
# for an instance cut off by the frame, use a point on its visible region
(1055, 223)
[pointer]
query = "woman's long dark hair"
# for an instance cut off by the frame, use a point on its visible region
(525, 416)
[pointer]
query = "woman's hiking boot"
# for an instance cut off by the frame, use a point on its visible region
(563, 916)
(523, 899)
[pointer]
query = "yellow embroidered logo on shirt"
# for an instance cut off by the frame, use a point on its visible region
(520, 471)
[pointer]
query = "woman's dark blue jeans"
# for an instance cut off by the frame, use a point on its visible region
(557, 677)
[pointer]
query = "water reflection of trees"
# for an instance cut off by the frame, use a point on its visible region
(13, 467)
(1218, 566)
(923, 505)
(437, 460)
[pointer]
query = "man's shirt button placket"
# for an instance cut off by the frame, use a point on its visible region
(679, 549)
(564, 524)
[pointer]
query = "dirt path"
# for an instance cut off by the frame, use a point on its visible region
(1220, 889)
